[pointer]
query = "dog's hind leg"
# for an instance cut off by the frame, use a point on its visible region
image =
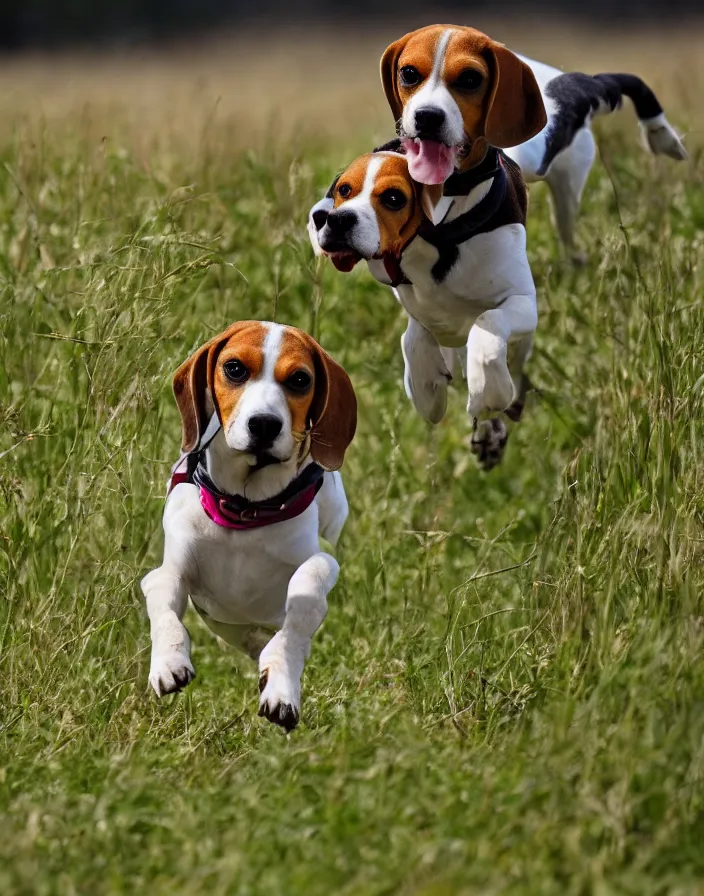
(426, 375)
(518, 354)
(566, 178)
(282, 660)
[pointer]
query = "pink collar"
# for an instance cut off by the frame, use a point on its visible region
(237, 512)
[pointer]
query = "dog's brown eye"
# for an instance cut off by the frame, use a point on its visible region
(409, 76)
(469, 79)
(299, 381)
(344, 190)
(236, 372)
(393, 200)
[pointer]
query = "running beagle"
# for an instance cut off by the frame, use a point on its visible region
(439, 79)
(267, 417)
(465, 283)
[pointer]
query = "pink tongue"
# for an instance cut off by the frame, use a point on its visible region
(430, 162)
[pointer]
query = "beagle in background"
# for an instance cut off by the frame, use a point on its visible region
(267, 417)
(465, 284)
(434, 77)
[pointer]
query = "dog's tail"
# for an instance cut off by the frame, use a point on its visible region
(579, 98)
(660, 136)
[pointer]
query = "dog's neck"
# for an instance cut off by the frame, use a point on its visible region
(232, 472)
(474, 154)
(461, 183)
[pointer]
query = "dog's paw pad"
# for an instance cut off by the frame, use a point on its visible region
(171, 673)
(488, 442)
(283, 714)
(279, 699)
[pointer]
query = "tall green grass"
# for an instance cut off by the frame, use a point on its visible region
(507, 695)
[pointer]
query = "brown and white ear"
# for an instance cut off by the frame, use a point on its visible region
(516, 111)
(191, 393)
(333, 412)
(389, 75)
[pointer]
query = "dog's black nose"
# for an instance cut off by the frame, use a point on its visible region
(341, 221)
(264, 429)
(429, 120)
(319, 218)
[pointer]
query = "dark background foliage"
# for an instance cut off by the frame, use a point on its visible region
(57, 23)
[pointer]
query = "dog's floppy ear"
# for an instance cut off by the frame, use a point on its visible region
(333, 411)
(389, 80)
(515, 112)
(193, 391)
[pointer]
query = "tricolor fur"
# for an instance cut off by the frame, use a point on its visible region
(281, 403)
(452, 90)
(478, 311)
(562, 154)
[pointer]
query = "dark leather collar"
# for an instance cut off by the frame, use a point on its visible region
(449, 235)
(392, 264)
(460, 229)
(461, 183)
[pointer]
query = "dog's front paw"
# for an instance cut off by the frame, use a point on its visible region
(279, 700)
(170, 672)
(279, 685)
(488, 442)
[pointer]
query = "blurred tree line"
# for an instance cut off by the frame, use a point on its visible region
(55, 23)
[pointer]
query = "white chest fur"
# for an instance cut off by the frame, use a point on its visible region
(238, 577)
(490, 268)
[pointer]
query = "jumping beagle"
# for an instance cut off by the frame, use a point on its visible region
(267, 417)
(437, 79)
(465, 283)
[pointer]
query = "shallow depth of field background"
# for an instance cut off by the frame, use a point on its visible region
(507, 695)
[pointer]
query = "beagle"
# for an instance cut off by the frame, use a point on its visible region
(266, 417)
(465, 280)
(465, 283)
(441, 80)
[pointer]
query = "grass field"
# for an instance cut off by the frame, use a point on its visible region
(507, 695)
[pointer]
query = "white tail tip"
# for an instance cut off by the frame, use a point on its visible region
(662, 139)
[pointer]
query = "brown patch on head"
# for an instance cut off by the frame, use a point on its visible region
(245, 347)
(297, 355)
(331, 412)
(199, 386)
(417, 49)
(393, 185)
(505, 108)
(396, 198)
(351, 182)
(467, 61)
